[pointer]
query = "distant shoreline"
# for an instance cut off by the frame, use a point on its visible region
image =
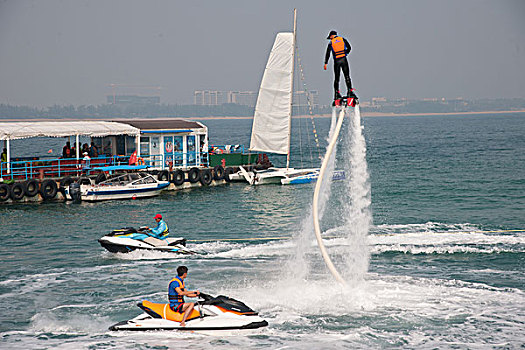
(378, 114)
(364, 114)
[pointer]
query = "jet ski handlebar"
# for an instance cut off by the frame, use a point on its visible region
(205, 297)
(128, 230)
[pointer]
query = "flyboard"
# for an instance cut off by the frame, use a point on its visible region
(353, 102)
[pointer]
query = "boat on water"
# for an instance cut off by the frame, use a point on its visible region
(210, 314)
(128, 239)
(309, 177)
(123, 186)
(272, 121)
(282, 176)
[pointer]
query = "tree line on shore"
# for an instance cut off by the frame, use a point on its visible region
(399, 106)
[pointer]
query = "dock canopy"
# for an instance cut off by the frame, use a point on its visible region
(22, 130)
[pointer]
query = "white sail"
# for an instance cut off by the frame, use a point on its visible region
(271, 122)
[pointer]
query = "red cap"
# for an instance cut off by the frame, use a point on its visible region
(158, 216)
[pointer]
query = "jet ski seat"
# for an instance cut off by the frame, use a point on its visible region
(155, 241)
(158, 310)
(162, 242)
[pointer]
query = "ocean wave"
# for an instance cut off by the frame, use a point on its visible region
(429, 238)
(146, 255)
(401, 297)
(75, 324)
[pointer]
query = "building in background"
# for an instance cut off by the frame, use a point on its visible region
(210, 98)
(132, 100)
(245, 98)
(248, 98)
(131, 94)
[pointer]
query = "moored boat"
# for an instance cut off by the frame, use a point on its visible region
(124, 186)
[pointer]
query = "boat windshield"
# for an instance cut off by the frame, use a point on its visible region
(146, 179)
(124, 179)
(134, 176)
(117, 180)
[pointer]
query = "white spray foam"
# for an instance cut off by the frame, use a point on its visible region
(48, 322)
(359, 215)
(411, 302)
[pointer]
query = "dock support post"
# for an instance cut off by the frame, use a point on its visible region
(8, 146)
(77, 146)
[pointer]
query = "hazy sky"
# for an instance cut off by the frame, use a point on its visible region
(70, 51)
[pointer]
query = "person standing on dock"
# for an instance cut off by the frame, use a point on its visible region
(339, 48)
(66, 150)
(161, 231)
(176, 293)
(93, 150)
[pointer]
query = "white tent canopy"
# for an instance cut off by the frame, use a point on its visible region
(21, 130)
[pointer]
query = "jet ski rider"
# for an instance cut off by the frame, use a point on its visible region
(176, 293)
(161, 231)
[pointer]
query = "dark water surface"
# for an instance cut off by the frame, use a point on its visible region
(439, 276)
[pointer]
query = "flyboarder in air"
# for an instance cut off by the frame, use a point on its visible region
(339, 47)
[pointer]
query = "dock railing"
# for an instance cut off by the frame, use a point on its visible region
(220, 149)
(34, 167)
(24, 168)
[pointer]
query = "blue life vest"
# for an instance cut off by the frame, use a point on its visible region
(174, 297)
(161, 231)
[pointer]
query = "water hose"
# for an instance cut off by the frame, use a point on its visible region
(315, 205)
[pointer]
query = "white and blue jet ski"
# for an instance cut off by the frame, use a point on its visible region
(128, 239)
(210, 314)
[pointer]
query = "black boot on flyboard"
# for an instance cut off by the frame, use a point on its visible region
(338, 100)
(351, 98)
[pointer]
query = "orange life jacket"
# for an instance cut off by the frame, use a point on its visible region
(338, 46)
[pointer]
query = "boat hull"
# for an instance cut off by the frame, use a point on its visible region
(221, 322)
(160, 324)
(283, 176)
(126, 245)
(312, 177)
(93, 194)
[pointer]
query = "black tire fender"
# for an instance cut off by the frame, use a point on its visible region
(4, 192)
(65, 182)
(227, 172)
(100, 177)
(31, 187)
(218, 172)
(164, 175)
(177, 177)
(48, 189)
(205, 177)
(194, 175)
(17, 191)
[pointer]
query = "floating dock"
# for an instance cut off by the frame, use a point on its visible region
(174, 150)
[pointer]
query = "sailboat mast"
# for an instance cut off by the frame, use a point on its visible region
(291, 97)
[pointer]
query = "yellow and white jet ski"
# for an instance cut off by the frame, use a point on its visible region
(210, 314)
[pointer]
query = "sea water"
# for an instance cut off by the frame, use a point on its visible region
(446, 269)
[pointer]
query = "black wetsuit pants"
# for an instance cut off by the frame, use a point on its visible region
(341, 64)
